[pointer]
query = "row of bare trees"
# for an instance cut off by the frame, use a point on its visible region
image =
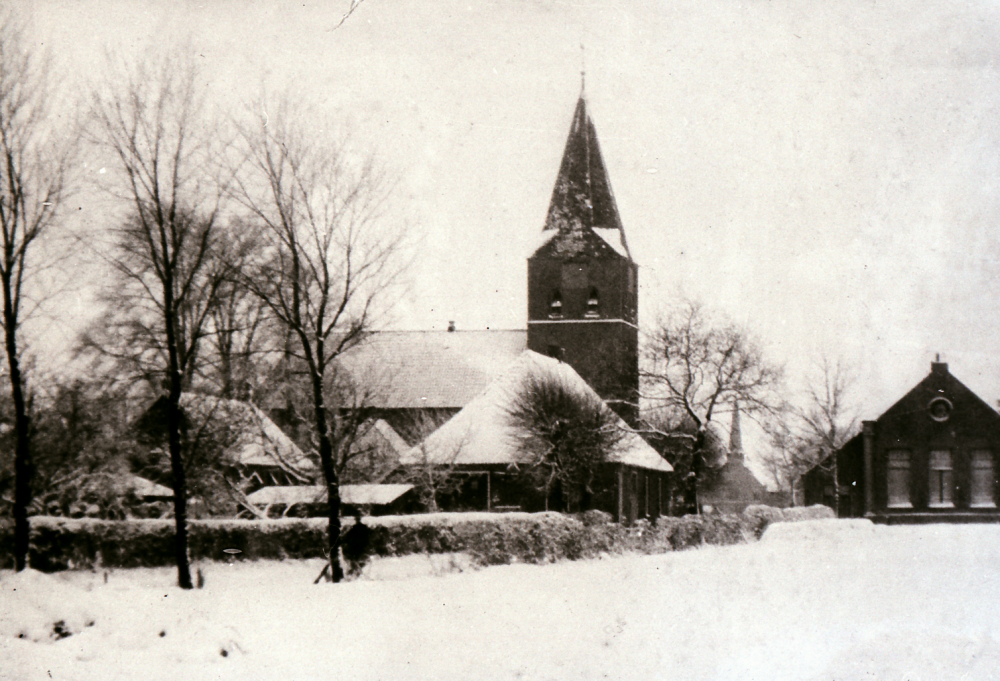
(250, 238)
(235, 235)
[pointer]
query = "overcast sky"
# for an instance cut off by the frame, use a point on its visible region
(825, 173)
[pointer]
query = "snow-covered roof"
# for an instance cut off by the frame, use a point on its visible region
(615, 238)
(389, 435)
(431, 369)
(252, 439)
(542, 238)
(259, 442)
(481, 433)
(357, 495)
(142, 487)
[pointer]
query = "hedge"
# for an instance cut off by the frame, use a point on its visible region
(490, 538)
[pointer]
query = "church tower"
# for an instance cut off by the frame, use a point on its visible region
(582, 281)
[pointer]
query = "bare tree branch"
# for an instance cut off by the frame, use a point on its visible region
(695, 366)
(154, 121)
(328, 258)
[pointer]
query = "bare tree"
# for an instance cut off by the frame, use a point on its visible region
(153, 121)
(695, 366)
(362, 451)
(828, 419)
(568, 433)
(328, 257)
(674, 436)
(804, 437)
(243, 341)
(34, 170)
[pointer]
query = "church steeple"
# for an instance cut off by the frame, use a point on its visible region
(582, 198)
(582, 281)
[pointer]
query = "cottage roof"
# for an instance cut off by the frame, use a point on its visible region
(481, 433)
(251, 438)
(389, 436)
(144, 488)
(431, 369)
(356, 495)
(582, 200)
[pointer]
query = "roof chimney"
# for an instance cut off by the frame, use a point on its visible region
(451, 326)
(937, 366)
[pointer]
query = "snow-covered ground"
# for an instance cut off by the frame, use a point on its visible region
(824, 600)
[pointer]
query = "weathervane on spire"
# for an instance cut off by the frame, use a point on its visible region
(583, 69)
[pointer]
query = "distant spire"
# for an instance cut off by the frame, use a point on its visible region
(736, 434)
(583, 70)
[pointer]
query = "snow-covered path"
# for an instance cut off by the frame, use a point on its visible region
(815, 600)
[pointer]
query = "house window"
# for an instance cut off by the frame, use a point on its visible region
(983, 479)
(555, 305)
(899, 478)
(593, 304)
(941, 485)
(940, 409)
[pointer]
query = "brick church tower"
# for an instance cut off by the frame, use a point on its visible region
(582, 281)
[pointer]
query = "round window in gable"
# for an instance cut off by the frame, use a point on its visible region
(940, 408)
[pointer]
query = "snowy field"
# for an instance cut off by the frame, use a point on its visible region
(823, 600)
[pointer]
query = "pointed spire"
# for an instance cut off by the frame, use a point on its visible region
(736, 435)
(582, 197)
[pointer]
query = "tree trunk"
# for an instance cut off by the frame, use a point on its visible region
(174, 439)
(180, 489)
(330, 474)
(22, 447)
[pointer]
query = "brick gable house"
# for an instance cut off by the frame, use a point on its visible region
(931, 457)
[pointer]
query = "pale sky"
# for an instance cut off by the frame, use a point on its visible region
(825, 173)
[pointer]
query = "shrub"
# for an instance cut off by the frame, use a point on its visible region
(815, 512)
(722, 530)
(760, 516)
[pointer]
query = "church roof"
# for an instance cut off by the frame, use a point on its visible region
(481, 433)
(582, 199)
(733, 483)
(431, 369)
